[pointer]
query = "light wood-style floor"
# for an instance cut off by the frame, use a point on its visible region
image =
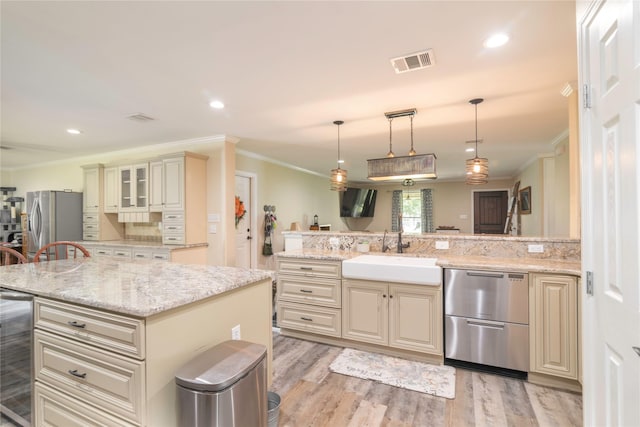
(313, 396)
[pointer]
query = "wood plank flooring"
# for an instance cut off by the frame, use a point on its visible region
(313, 396)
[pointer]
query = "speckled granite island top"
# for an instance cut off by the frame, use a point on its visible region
(535, 265)
(136, 287)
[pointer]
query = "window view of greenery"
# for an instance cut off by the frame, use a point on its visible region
(411, 211)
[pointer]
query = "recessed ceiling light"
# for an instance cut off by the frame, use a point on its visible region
(496, 40)
(74, 131)
(218, 105)
(470, 150)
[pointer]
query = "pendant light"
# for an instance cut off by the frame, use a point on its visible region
(338, 175)
(477, 168)
(402, 168)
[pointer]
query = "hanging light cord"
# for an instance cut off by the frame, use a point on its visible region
(476, 105)
(339, 146)
(412, 152)
(390, 153)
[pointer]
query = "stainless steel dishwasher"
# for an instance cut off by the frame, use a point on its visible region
(487, 318)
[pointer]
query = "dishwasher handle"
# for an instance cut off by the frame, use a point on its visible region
(485, 323)
(478, 274)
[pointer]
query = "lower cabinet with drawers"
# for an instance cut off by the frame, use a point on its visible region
(309, 295)
(87, 361)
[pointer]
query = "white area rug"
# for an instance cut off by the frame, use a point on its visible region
(423, 377)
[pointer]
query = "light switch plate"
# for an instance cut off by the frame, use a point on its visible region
(213, 228)
(536, 249)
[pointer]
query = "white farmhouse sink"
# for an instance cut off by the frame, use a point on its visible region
(414, 270)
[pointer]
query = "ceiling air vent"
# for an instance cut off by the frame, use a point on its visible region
(139, 117)
(413, 61)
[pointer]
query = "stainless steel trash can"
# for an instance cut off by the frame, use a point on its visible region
(224, 386)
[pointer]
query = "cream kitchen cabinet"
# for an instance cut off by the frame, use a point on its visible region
(111, 187)
(309, 296)
(184, 198)
(91, 191)
(553, 325)
(134, 188)
(129, 252)
(95, 358)
(174, 183)
(156, 187)
(96, 225)
(403, 316)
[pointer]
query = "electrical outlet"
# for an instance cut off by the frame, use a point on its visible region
(536, 249)
(235, 332)
(442, 244)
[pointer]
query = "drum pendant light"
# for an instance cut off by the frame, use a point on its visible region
(477, 168)
(338, 175)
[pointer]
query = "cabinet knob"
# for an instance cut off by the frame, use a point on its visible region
(384, 296)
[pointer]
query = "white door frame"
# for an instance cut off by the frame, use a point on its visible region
(253, 209)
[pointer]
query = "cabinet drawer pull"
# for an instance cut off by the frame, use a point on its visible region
(75, 373)
(308, 319)
(76, 324)
(306, 268)
(139, 256)
(306, 291)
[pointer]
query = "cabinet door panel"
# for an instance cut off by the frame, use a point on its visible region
(156, 177)
(365, 313)
(174, 183)
(111, 382)
(554, 325)
(91, 193)
(57, 409)
(415, 318)
(111, 189)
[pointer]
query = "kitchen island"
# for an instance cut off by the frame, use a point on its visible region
(130, 324)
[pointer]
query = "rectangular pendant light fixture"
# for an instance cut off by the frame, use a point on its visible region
(420, 166)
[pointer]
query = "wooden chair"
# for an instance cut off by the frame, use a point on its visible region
(11, 256)
(60, 250)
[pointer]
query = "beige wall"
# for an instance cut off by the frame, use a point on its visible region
(297, 196)
(549, 179)
(531, 224)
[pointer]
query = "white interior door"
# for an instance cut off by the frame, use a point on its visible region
(245, 228)
(610, 75)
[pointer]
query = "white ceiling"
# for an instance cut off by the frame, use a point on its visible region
(286, 71)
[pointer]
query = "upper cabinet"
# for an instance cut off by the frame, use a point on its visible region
(134, 188)
(184, 198)
(95, 224)
(110, 190)
(173, 186)
(91, 190)
(156, 186)
(174, 190)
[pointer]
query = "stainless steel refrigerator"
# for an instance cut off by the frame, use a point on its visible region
(52, 216)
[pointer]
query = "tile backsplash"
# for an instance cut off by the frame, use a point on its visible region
(456, 245)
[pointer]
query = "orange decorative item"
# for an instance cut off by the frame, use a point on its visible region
(240, 210)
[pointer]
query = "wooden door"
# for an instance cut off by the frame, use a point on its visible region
(610, 150)
(490, 211)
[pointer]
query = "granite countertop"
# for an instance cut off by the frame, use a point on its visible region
(535, 265)
(134, 287)
(139, 244)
